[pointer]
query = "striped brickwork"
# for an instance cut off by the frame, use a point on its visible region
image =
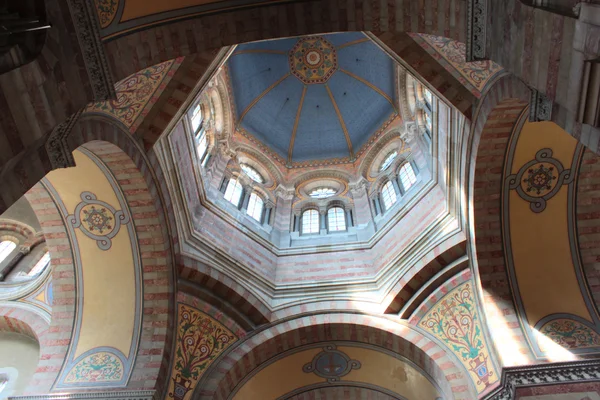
(496, 120)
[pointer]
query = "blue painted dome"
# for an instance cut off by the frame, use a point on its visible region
(313, 98)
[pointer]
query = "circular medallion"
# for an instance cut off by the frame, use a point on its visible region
(313, 60)
(98, 220)
(539, 180)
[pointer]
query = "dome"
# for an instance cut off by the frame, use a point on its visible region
(313, 98)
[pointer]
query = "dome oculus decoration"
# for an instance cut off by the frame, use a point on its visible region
(313, 60)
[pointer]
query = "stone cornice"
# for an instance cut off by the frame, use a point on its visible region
(86, 25)
(546, 374)
(115, 395)
(57, 146)
(540, 107)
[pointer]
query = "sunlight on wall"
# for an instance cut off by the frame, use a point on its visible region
(504, 339)
(553, 351)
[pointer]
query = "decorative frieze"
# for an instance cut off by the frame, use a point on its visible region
(92, 50)
(540, 107)
(58, 149)
(547, 374)
(476, 30)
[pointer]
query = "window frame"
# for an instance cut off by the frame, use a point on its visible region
(388, 160)
(38, 263)
(4, 253)
(302, 221)
(344, 219)
(250, 210)
(388, 188)
(236, 183)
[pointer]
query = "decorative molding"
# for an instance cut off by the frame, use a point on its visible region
(476, 30)
(540, 107)
(547, 374)
(84, 18)
(57, 147)
(119, 395)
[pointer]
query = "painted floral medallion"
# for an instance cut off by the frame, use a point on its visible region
(98, 219)
(313, 60)
(539, 180)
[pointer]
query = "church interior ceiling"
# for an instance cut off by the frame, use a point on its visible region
(389, 306)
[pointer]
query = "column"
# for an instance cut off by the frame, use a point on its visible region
(322, 221)
(394, 181)
(364, 211)
(245, 198)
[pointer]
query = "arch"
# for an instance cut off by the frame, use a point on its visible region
(224, 287)
(137, 179)
(20, 319)
(222, 377)
(495, 120)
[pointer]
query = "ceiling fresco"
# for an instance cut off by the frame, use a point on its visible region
(451, 314)
(313, 98)
(476, 76)
(200, 340)
(136, 94)
(117, 17)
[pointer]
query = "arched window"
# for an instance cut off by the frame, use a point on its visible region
(233, 193)
(255, 207)
(40, 265)
(388, 160)
(252, 173)
(428, 123)
(196, 119)
(388, 194)
(322, 193)
(310, 221)
(202, 146)
(6, 247)
(427, 96)
(407, 176)
(336, 219)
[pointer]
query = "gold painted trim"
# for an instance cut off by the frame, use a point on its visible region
(339, 114)
(369, 84)
(352, 43)
(295, 130)
(256, 100)
(251, 51)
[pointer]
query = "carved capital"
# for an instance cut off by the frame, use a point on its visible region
(284, 193)
(359, 186)
(411, 129)
(476, 30)
(540, 107)
(24, 250)
(86, 25)
(57, 147)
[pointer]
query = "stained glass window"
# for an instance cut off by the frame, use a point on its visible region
(388, 160)
(336, 219)
(6, 247)
(322, 193)
(233, 193)
(255, 207)
(40, 265)
(252, 173)
(388, 194)
(407, 176)
(310, 221)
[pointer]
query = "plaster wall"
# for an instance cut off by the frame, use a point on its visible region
(21, 353)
